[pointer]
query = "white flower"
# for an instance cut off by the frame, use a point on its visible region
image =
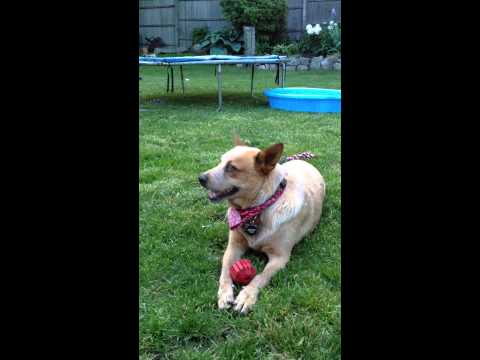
(309, 29)
(330, 27)
(332, 22)
(317, 29)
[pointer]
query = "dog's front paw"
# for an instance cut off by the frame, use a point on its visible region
(225, 297)
(246, 299)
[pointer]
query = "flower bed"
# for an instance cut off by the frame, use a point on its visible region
(319, 48)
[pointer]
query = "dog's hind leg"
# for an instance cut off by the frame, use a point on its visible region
(237, 245)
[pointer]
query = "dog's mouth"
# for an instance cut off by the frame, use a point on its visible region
(220, 195)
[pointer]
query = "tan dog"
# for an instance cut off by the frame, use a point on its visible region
(247, 177)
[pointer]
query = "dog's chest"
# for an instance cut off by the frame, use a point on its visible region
(254, 241)
(255, 232)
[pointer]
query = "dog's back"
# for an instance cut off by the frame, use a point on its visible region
(307, 193)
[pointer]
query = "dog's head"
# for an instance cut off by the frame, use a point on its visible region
(241, 171)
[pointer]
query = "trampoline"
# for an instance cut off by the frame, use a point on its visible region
(218, 61)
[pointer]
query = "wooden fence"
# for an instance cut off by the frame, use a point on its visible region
(174, 20)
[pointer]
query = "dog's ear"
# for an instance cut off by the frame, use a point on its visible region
(237, 141)
(266, 160)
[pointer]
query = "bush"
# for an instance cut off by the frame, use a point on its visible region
(222, 41)
(263, 48)
(267, 16)
(154, 43)
(198, 34)
(285, 49)
(321, 40)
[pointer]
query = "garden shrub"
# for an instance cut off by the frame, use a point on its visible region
(198, 34)
(263, 47)
(321, 40)
(285, 49)
(227, 40)
(267, 16)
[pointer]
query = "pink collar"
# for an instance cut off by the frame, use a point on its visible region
(237, 218)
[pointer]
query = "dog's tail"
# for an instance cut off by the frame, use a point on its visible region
(306, 155)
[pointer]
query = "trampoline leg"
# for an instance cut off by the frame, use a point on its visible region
(251, 81)
(181, 75)
(168, 80)
(219, 85)
(284, 73)
(280, 75)
(277, 74)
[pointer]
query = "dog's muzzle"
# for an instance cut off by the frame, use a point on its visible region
(215, 196)
(203, 179)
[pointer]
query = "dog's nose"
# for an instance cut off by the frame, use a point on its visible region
(203, 180)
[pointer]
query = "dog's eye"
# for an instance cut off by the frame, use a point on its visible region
(230, 168)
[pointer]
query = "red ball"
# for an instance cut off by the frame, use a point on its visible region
(242, 272)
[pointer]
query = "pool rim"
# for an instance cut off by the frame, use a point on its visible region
(276, 93)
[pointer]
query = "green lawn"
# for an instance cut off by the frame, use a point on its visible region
(183, 235)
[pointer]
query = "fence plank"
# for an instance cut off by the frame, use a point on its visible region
(320, 11)
(158, 18)
(148, 3)
(294, 3)
(294, 23)
(200, 10)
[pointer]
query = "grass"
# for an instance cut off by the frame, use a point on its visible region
(183, 236)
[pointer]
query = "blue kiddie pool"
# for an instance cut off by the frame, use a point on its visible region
(305, 99)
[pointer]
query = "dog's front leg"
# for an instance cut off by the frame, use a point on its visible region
(237, 245)
(249, 294)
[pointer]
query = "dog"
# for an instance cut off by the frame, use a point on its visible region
(290, 199)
